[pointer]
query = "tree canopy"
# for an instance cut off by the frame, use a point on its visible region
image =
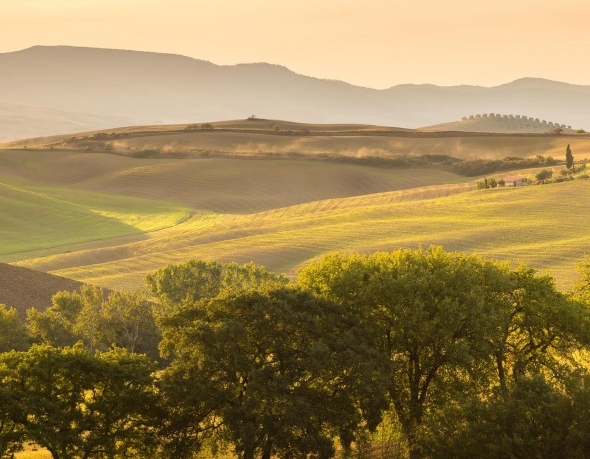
(78, 404)
(285, 371)
(454, 351)
(453, 326)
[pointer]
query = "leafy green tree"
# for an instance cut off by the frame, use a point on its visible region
(88, 324)
(433, 313)
(82, 405)
(480, 353)
(55, 325)
(13, 334)
(544, 174)
(187, 283)
(12, 433)
(126, 320)
(524, 402)
(285, 371)
(541, 330)
(99, 319)
(569, 158)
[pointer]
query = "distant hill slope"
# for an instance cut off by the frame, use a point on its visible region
(18, 121)
(24, 288)
(150, 88)
(495, 122)
(276, 138)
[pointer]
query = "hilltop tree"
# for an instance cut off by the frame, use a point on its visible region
(569, 158)
(544, 175)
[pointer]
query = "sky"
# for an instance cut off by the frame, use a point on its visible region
(372, 43)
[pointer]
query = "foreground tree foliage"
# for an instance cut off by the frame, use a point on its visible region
(466, 357)
(285, 371)
(455, 328)
(78, 404)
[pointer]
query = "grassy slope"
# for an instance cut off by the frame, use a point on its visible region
(543, 226)
(36, 213)
(277, 212)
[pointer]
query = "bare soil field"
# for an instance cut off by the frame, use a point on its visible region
(24, 288)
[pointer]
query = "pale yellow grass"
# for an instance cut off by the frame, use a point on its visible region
(542, 226)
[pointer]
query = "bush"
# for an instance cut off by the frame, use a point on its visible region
(544, 174)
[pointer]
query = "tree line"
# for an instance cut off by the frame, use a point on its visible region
(467, 358)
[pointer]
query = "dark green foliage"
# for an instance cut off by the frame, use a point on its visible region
(81, 405)
(187, 283)
(537, 420)
(455, 328)
(569, 158)
(474, 358)
(99, 319)
(13, 334)
(544, 174)
(285, 371)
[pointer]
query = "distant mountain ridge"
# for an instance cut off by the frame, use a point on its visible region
(153, 88)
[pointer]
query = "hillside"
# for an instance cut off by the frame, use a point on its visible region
(23, 288)
(279, 138)
(529, 224)
(150, 88)
(109, 219)
(495, 122)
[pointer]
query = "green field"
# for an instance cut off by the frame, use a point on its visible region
(110, 219)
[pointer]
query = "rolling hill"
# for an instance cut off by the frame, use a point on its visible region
(111, 216)
(279, 138)
(150, 88)
(23, 288)
(495, 122)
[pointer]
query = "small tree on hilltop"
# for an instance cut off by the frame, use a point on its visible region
(569, 158)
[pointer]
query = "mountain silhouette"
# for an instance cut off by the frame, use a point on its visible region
(106, 87)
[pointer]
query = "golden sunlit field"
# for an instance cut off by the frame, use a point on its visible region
(109, 218)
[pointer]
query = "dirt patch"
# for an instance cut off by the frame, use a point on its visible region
(24, 288)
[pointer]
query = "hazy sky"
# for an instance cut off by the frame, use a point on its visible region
(374, 43)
